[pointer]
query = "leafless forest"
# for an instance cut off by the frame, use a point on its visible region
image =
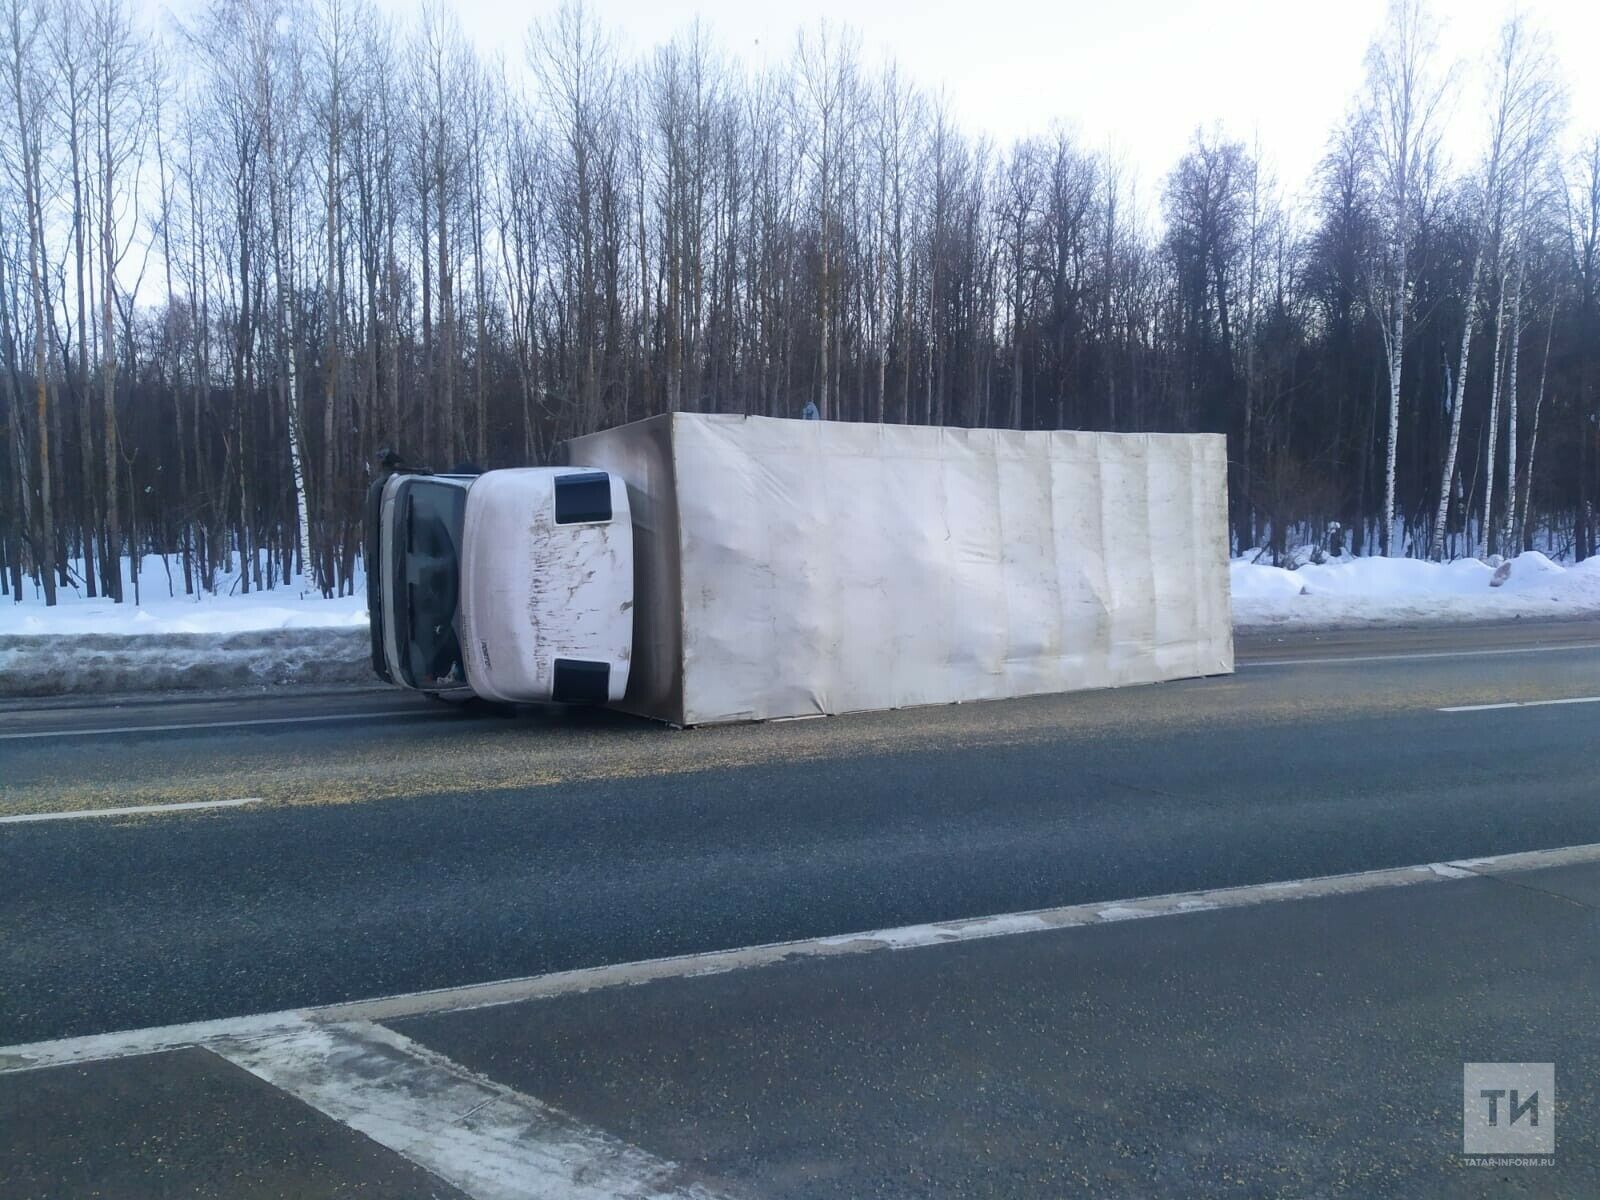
(245, 253)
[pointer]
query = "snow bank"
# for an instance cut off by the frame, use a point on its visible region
(169, 642)
(1354, 592)
(105, 664)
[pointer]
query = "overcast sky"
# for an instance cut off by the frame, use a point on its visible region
(1133, 76)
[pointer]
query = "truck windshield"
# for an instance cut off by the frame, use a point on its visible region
(428, 580)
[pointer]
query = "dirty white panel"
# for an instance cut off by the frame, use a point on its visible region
(641, 455)
(534, 590)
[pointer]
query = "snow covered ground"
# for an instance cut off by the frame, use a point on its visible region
(1348, 591)
(1353, 592)
(279, 636)
(158, 611)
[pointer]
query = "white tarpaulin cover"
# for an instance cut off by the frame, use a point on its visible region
(786, 568)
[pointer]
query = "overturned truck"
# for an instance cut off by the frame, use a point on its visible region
(702, 568)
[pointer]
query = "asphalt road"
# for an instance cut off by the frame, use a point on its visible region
(1306, 1049)
(420, 848)
(392, 845)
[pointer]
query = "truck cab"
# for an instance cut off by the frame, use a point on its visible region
(512, 585)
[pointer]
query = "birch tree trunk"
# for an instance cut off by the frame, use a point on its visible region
(1405, 100)
(1533, 436)
(1396, 344)
(1512, 73)
(1508, 529)
(1458, 400)
(1494, 419)
(267, 109)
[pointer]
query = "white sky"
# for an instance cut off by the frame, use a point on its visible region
(1132, 76)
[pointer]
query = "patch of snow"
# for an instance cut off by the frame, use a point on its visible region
(1398, 591)
(1121, 912)
(164, 608)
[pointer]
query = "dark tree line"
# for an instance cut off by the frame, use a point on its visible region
(242, 256)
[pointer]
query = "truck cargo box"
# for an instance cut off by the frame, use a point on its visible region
(790, 568)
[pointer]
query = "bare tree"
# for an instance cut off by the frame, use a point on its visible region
(1406, 95)
(1525, 508)
(1533, 169)
(1515, 75)
(70, 55)
(1022, 184)
(575, 66)
(334, 45)
(29, 95)
(15, 537)
(274, 74)
(120, 93)
(1583, 233)
(826, 63)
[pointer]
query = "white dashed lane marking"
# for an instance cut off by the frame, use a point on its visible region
(1469, 708)
(138, 810)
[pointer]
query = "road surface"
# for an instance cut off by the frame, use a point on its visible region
(389, 846)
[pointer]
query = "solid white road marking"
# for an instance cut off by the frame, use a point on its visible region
(131, 810)
(317, 720)
(1417, 654)
(488, 1140)
(1461, 708)
(95, 1047)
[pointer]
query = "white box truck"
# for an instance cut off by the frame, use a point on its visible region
(700, 568)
